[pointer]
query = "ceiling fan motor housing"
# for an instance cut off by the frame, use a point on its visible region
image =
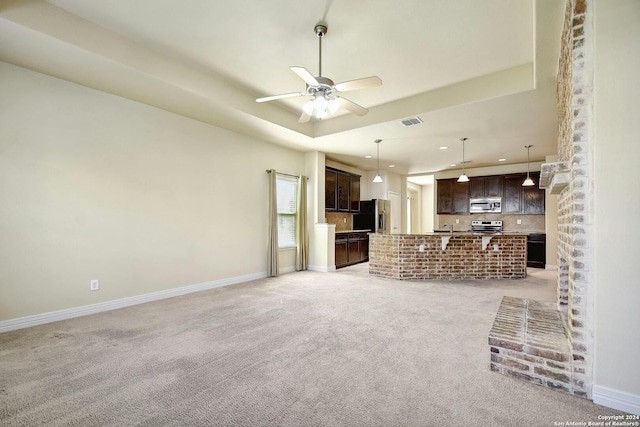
(325, 86)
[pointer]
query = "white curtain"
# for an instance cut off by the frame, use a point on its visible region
(302, 235)
(272, 250)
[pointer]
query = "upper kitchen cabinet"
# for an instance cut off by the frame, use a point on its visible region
(452, 197)
(485, 186)
(354, 195)
(533, 197)
(330, 190)
(512, 194)
(342, 191)
(522, 200)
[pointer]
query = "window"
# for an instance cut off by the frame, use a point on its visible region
(287, 190)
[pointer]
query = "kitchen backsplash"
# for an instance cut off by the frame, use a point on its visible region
(343, 221)
(529, 223)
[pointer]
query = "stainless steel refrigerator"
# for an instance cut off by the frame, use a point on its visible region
(375, 215)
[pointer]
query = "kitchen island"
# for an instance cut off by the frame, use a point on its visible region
(449, 256)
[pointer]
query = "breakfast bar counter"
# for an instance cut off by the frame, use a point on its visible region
(459, 255)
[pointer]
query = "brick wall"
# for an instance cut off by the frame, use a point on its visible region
(398, 257)
(575, 226)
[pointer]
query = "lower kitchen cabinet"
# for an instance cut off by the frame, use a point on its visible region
(536, 250)
(351, 248)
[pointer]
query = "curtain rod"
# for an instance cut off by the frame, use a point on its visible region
(286, 174)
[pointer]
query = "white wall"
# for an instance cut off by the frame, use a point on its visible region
(94, 186)
(414, 215)
(428, 207)
(617, 196)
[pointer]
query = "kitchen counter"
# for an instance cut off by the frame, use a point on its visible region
(442, 255)
(353, 231)
(475, 233)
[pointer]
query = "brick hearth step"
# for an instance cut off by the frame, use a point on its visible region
(528, 341)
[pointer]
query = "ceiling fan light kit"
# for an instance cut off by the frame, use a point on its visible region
(325, 100)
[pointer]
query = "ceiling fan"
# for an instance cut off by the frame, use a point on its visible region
(324, 91)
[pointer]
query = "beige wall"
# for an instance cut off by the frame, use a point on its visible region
(617, 197)
(93, 186)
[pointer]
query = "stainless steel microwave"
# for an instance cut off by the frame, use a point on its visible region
(485, 204)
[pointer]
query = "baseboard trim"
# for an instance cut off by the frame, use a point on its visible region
(85, 310)
(322, 268)
(616, 399)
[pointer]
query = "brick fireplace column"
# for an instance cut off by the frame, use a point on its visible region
(575, 201)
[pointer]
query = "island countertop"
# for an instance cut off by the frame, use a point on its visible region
(440, 255)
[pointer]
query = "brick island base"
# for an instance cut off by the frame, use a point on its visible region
(464, 256)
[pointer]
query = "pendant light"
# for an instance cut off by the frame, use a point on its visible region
(463, 177)
(378, 178)
(528, 182)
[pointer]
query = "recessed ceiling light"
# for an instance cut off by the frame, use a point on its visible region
(444, 147)
(392, 166)
(502, 160)
(368, 156)
(452, 164)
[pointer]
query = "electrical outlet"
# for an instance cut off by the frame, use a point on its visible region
(421, 248)
(95, 285)
(457, 221)
(518, 221)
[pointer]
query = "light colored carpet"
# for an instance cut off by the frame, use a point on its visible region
(303, 349)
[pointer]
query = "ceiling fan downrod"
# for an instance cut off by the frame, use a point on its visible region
(320, 30)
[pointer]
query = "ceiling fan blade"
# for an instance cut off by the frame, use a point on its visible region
(352, 106)
(284, 95)
(365, 83)
(305, 75)
(304, 118)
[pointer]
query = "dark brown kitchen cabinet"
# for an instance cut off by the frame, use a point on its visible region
(452, 197)
(342, 250)
(536, 250)
(533, 197)
(444, 200)
(485, 186)
(476, 188)
(512, 199)
(330, 189)
(364, 248)
(342, 191)
(522, 200)
(493, 186)
(354, 249)
(344, 186)
(351, 248)
(354, 194)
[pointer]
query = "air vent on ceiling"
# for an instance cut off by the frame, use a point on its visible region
(411, 121)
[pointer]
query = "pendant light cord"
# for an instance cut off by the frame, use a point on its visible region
(463, 162)
(378, 147)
